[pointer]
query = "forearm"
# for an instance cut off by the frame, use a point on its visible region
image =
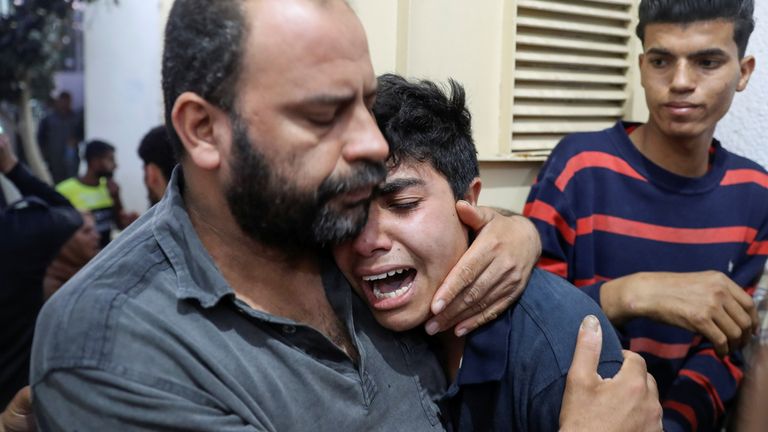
(29, 185)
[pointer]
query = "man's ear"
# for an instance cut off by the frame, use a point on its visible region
(199, 124)
(747, 66)
(473, 192)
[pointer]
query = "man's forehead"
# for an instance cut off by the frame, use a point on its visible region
(303, 43)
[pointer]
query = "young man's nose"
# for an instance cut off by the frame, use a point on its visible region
(683, 79)
(374, 237)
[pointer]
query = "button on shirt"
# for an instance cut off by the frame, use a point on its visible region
(151, 337)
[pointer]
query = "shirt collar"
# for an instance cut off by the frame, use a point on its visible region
(197, 275)
(486, 352)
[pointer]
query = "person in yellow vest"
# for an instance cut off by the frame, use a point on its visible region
(96, 192)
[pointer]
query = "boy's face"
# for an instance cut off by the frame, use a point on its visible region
(412, 239)
(690, 73)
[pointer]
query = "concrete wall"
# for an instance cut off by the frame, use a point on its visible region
(741, 129)
(123, 98)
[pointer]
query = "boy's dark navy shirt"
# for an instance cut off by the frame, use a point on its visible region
(513, 372)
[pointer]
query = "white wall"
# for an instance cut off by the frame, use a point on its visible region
(123, 97)
(741, 129)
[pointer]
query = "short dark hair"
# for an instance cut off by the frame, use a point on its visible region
(96, 148)
(156, 148)
(422, 123)
(740, 12)
(202, 54)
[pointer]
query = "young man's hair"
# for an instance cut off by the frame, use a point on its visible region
(202, 54)
(95, 149)
(156, 148)
(740, 12)
(422, 123)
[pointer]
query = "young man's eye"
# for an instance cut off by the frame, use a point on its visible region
(658, 62)
(323, 120)
(404, 205)
(709, 63)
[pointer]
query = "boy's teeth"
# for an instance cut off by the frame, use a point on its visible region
(400, 291)
(383, 275)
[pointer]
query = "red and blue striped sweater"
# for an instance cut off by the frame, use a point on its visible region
(605, 211)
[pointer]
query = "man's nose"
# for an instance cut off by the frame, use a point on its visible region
(364, 141)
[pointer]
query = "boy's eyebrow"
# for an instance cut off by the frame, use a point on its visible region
(396, 185)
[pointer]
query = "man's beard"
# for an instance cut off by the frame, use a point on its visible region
(273, 210)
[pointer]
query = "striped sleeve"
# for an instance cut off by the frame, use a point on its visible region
(547, 207)
(703, 389)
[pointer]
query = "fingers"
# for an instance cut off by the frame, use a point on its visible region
(18, 414)
(465, 272)
(460, 291)
(472, 322)
(712, 332)
(473, 217)
(742, 324)
(745, 301)
(586, 355)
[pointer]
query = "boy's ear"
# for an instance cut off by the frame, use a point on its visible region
(200, 125)
(473, 192)
(746, 67)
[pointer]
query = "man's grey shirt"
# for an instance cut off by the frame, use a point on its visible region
(150, 336)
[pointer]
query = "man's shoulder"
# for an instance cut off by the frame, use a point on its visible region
(77, 324)
(552, 310)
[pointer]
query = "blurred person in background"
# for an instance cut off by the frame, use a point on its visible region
(76, 252)
(156, 152)
(58, 136)
(33, 231)
(97, 192)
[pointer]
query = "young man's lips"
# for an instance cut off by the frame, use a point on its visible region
(680, 108)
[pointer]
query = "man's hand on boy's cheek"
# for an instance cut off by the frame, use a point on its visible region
(491, 275)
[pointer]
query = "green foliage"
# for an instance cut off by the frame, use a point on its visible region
(31, 45)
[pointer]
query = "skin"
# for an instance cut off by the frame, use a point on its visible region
(155, 182)
(306, 103)
(17, 416)
(412, 224)
(690, 74)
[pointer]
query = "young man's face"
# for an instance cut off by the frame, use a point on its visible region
(105, 166)
(307, 137)
(412, 239)
(690, 73)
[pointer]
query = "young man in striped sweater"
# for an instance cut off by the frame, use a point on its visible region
(661, 225)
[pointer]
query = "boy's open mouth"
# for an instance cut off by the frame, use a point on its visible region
(391, 284)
